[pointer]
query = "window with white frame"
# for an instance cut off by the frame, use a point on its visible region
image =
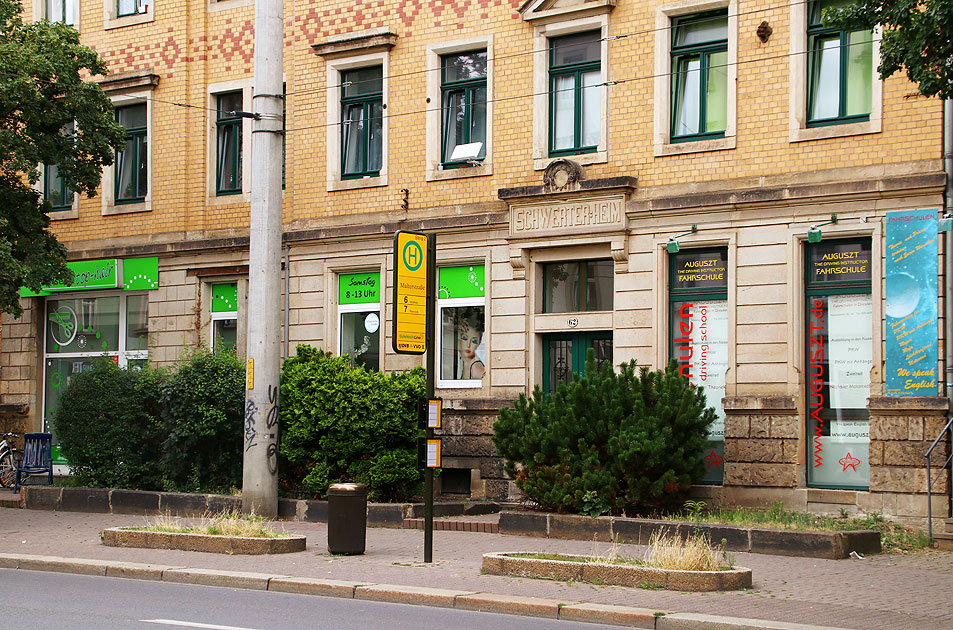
(696, 54)
(224, 333)
(61, 11)
(359, 320)
(461, 316)
(229, 142)
(460, 130)
(119, 13)
(357, 121)
(836, 90)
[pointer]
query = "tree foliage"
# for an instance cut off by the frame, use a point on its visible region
(917, 35)
(342, 423)
(607, 442)
(42, 93)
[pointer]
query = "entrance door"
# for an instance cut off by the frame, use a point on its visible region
(564, 354)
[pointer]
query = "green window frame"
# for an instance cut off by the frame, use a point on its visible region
(132, 163)
(228, 143)
(817, 337)
(575, 78)
(362, 118)
(55, 190)
(699, 76)
(463, 104)
(840, 70)
(129, 7)
(586, 288)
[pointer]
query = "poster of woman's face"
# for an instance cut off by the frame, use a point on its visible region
(463, 344)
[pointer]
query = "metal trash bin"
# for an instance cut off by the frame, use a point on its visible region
(347, 518)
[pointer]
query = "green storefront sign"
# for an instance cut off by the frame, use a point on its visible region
(462, 282)
(130, 274)
(359, 288)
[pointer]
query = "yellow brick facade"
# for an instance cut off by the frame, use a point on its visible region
(756, 197)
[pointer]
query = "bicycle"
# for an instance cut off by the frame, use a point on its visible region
(8, 466)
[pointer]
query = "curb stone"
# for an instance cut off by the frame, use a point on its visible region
(486, 602)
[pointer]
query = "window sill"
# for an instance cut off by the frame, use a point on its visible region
(127, 208)
(695, 146)
(225, 5)
(216, 199)
(597, 157)
(464, 384)
(435, 175)
(128, 20)
(60, 215)
(805, 134)
(355, 184)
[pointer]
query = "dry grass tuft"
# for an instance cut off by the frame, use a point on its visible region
(694, 553)
(224, 524)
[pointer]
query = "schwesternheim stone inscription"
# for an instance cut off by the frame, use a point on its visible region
(578, 216)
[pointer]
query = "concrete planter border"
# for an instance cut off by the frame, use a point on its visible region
(117, 537)
(506, 563)
(832, 545)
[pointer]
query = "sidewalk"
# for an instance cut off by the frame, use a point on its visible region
(885, 591)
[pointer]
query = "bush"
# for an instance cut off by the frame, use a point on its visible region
(607, 442)
(341, 423)
(202, 417)
(109, 428)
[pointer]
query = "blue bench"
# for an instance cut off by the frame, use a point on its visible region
(37, 458)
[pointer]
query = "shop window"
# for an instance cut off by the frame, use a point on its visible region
(841, 65)
(359, 321)
(585, 285)
(700, 76)
(362, 120)
(224, 335)
(839, 356)
(575, 77)
(84, 328)
(228, 145)
(698, 336)
(132, 162)
(461, 315)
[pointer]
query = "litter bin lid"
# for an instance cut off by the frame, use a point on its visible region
(347, 488)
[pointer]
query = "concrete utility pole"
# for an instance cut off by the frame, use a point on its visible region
(260, 468)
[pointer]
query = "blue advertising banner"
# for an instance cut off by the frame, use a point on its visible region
(911, 303)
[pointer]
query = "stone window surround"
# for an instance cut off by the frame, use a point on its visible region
(797, 108)
(111, 18)
(434, 108)
(661, 295)
(205, 333)
(39, 11)
(663, 71)
(211, 161)
(541, 36)
(335, 67)
(845, 228)
(59, 215)
(108, 185)
(213, 6)
(332, 271)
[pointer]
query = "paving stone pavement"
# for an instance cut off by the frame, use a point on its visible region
(887, 591)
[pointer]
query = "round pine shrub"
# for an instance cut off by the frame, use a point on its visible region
(341, 423)
(607, 442)
(109, 428)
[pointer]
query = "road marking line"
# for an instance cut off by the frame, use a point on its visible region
(192, 624)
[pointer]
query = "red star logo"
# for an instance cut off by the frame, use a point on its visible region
(714, 459)
(848, 462)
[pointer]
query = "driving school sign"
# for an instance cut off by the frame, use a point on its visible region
(411, 257)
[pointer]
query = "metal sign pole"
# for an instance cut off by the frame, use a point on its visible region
(431, 342)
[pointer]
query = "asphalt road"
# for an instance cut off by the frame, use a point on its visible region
(56, 601)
